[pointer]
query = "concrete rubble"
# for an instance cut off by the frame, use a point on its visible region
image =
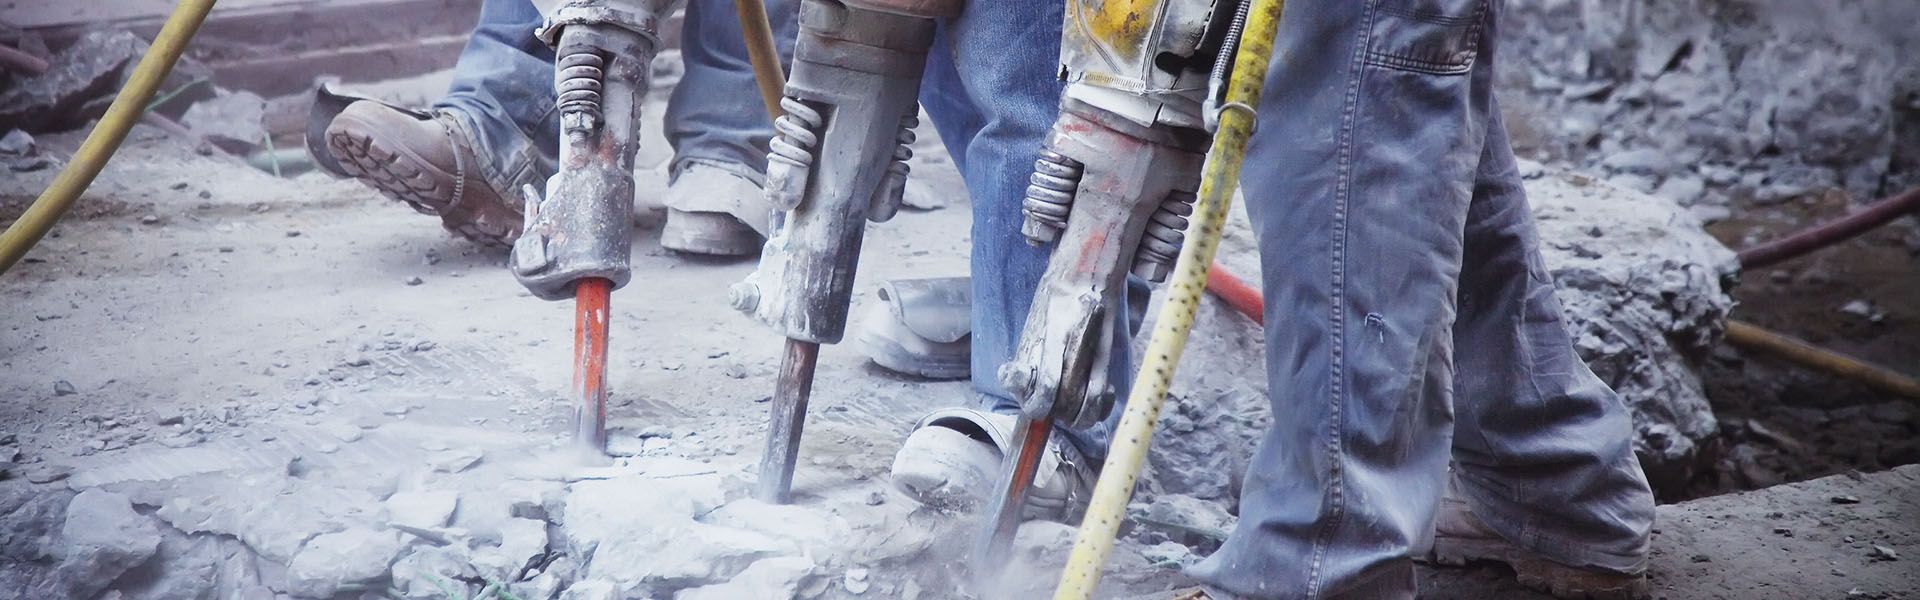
(1720, 104)
(82, 81)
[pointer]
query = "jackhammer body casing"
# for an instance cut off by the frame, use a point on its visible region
(856, 74)
(1127, 172)
(583, 225)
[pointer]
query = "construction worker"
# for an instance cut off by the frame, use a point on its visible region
(1393, 228)
(496, 130)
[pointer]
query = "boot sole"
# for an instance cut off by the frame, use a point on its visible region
(404, 176)
(1538, 574)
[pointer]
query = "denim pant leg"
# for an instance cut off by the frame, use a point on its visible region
(992, 90)
(1358, 183)
(502, 95)
(1543, 449)
(715, 112)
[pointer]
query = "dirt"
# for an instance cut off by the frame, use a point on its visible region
(1781, 422)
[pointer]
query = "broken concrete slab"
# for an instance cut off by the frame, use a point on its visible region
(231, 121)
(101, 539)
(807, 528)
(430, 572)
(82, 82)
(777, 577)
(522, 541)
(1645, 292)
(424, 509)
(345, 561)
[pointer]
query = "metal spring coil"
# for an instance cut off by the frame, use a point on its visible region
(797, 138)
(1050, 190)
(579, 84)
(1167, 229)
(903, 152)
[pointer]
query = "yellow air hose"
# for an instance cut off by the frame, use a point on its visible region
(1218, 178)
(106, 137)
(757, 34)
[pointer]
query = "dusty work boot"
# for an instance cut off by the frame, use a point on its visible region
(953, 459)
(1461, 537)
(715, 208)
(921, 327)
(418, 159)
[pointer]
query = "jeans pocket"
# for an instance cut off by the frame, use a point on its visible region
(1438, 37)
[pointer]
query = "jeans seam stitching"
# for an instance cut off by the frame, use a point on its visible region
(1337, 364)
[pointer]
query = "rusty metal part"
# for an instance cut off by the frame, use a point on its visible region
(590, 317)
(785, 421)
(1128, 174)
(836, 163)
(1832, 232)
(1009, 499)
(21, 62)
(583, 226)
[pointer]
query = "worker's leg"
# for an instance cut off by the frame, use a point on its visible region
(715, 112)
(502, 96)
(1543, 450)
(719, 128)
(1358, 182)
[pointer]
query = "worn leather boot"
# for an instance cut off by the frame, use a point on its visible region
(1461, 537)
(716, 209)
(422, 162)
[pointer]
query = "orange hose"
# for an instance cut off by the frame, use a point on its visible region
(1236, 293)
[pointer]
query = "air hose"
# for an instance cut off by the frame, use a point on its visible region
(1218, 178)
(757, 34)
(106, 136)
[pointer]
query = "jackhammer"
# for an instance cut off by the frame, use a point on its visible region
(578, 234)
(839, 159)
(1112, 191)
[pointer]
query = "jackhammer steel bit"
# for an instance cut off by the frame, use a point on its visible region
(579, 233)
(1111, 190)
(839, 159)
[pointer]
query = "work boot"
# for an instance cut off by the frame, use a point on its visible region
(1461, 537)
(420, 160)
(715, 208)
(952, 460)
(921, 327)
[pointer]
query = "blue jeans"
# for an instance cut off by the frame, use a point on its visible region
(1393, 228)
(502, 94)
(992, 90)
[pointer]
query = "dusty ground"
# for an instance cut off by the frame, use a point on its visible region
(310, 371)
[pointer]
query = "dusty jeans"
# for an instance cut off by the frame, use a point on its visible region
(1393, 229)
(502, 92)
